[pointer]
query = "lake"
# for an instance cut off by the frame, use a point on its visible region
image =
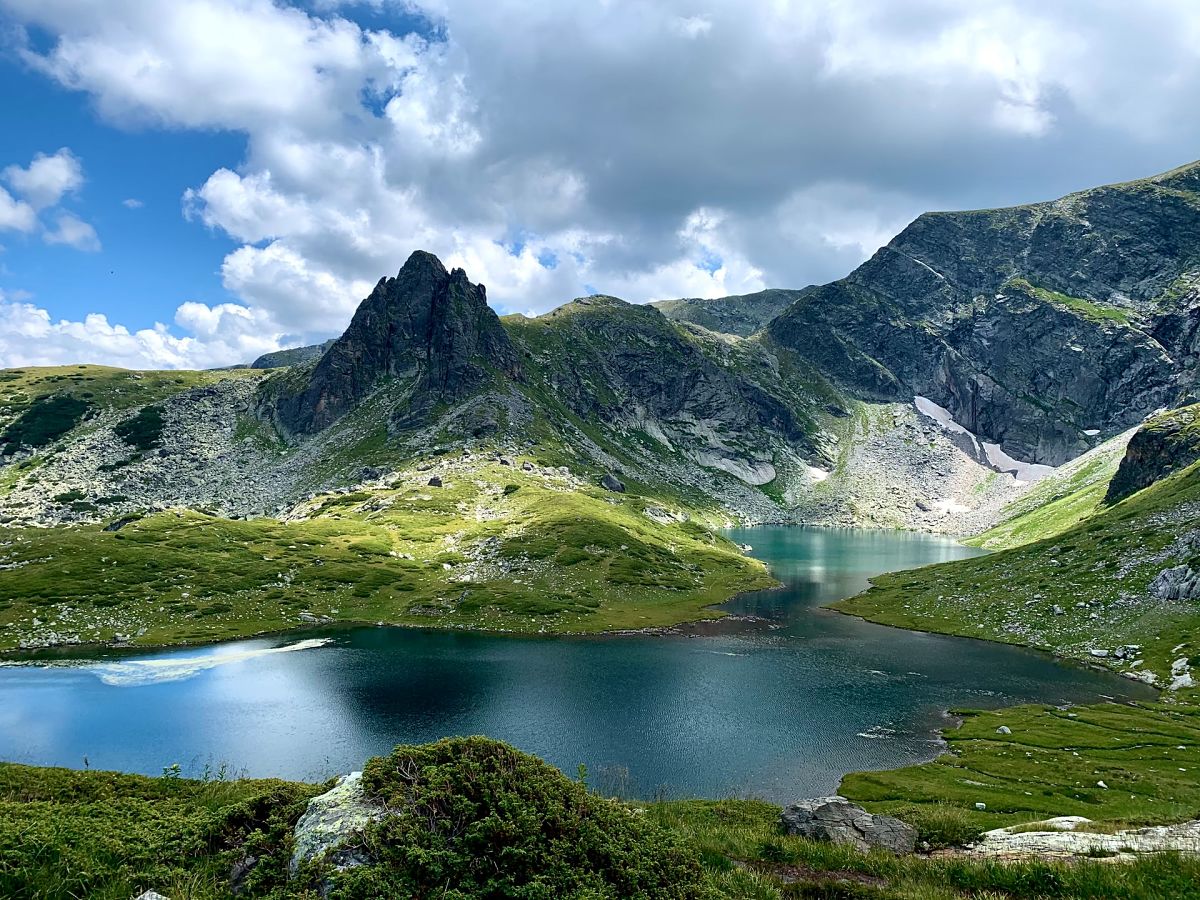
(778, 709)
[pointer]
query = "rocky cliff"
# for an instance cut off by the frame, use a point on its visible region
(1168, 443)
(1044, 328)
(427, 328)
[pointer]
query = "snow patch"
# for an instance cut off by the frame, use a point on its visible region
(817, 475)
(993, 453)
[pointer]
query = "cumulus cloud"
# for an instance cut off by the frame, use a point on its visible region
(43, 184)
(72, 231)
(644, 150)
(29, 336)
(16, 215)
(45, 180)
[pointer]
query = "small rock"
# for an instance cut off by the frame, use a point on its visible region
(611, 482)
(1003, 729)
(435, 481)
(981, 806)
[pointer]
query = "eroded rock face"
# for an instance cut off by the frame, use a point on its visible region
(427, 327)
(331, 823)
(837, 820)
(1034, 326)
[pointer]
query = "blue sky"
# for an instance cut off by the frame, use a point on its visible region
(285, 156)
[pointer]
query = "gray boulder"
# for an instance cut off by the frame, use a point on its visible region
(1176, 583)
(611, 482)
(331, 823)
(837, 820)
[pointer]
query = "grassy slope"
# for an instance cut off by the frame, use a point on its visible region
(66, 834)
(1095, 573)
(503, 549)
(1058, 502)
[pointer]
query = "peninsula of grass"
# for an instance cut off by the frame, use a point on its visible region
(503, 549)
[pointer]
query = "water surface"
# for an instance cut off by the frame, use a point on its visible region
(779, 710)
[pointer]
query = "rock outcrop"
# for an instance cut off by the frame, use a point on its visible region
(1043, 328)
(294, 356)
(837, 820)
(331, 822)
(427, 328)
(1067, 837)
(1167, 443)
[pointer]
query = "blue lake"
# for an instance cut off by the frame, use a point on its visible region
(780, 709)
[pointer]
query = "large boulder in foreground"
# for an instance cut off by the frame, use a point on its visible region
(838, 821)
(472, 817)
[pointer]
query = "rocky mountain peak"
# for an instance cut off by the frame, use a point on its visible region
(428, 327)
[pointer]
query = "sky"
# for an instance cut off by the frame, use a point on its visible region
(190, 183)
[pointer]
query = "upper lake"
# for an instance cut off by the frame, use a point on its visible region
(778, 710)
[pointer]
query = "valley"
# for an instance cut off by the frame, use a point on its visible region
(549, 527)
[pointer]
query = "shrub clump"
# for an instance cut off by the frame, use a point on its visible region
(143, 430)
(473, 818)
(48, 419)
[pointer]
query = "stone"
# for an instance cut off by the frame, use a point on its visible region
(1176, 583)
(838, 821)
(332, 821)
(1067, 837)
(435, 481)
(611, 482)
(150, 895)
(1003, 729)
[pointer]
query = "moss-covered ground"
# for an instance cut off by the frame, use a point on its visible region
(474, 819)
(496, 548)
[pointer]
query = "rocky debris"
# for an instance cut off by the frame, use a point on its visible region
(1181, 675)
(664, 516)
(837, 820)
(611, 482)
(1180, 582)
(1067, 837)
(331, 822)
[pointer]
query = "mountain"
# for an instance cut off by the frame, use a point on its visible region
(460, 467)
(295, 356)
(741, 314)
(428, 327)
(1043, 328)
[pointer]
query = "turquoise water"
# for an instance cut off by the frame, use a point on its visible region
(778, 709)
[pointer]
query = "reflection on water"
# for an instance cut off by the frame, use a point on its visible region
(779, 711)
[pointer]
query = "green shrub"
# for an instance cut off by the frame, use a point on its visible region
(143, 430)
(44, 422)
(475, 818)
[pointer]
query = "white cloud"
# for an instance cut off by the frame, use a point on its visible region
(72, 231)
(16, 215)
(645, 150)
(30, 337)
(45, 181)
(132, 203)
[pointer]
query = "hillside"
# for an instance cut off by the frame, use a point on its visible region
(1045, 328)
